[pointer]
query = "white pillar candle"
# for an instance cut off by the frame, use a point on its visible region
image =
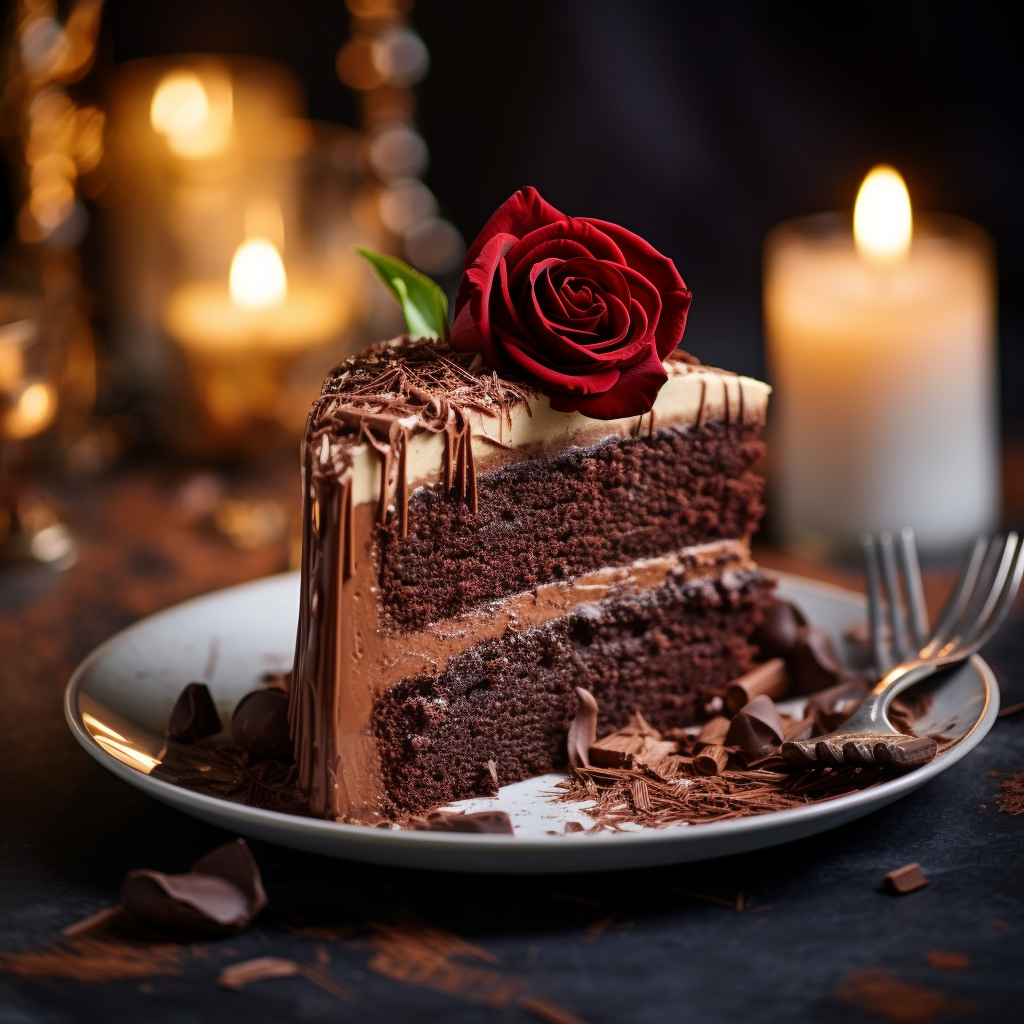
(883, 365)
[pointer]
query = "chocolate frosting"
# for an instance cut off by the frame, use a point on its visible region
(194, 715)
(220, 895)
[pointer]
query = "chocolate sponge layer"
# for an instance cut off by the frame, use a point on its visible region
(664, 652)
(549, 519)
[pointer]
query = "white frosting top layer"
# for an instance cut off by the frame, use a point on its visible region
(692, 396)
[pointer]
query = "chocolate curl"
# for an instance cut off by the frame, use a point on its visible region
(770, 679)
(830, 708)
(636, 741)
(259, 725)
(756, 729)
(487, 822)
(713, 732)
(220, 895)
(779, 630)
(711, 760)
(813, 663)
(582, 729)
(194, 715)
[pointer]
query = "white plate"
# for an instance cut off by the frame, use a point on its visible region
(119, 698)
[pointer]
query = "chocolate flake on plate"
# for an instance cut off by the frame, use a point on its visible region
(813, 663)
(259, 725)
(713, 732)
(194, 715)
(905, 879)
(636, 741)
(488, 822)
(770, 679)
(778, 632)
(221, 894)
(711, 760)
(830, 708)
(582, 729)
(756, 729)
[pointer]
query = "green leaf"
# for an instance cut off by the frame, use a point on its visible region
(424, 304)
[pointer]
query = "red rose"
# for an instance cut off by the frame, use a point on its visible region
(586, 309)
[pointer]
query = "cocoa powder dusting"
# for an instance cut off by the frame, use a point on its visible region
(1010, 799)
(877, 992)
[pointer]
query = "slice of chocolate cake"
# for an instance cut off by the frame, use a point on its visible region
(471, 555)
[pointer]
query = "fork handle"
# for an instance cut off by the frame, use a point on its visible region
(872, 715)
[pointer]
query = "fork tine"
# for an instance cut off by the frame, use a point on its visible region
(896, 620)
(986, 592)
(958, 598)
(1002, 594)
(918, 610)
(882, 660)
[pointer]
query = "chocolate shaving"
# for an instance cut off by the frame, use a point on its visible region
(220, 895)
(813, 663)
(905, 879)
(194, 715)
(265, 968)
(713, 732)
(830, 708)
(711, 760)
(756, 729)
(99, 921)
(89, 959)
(582, 729)
(770, 679)
(881, 995)
(487, 822)
(777, 634)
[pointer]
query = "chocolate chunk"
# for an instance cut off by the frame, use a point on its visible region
(771, 679)
(756, 729)
(636, 741)
(777, 634)
(236, 976)
(711, 760)
(490, 822)
(582, 729)
(259, 725)
(905, 879)
(220, 895)
(813, 663)
(830, 708)
(194, 715)
(713, 732)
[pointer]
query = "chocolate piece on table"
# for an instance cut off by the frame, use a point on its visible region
(637, 741)
(489, 822)
(236, 976)
(259, 725)
(711, 760)
(713, 732)
(220, 895)
(830, 708)
(582, 729)
(756, 729)
(813, 664)
(905, 879)
(771, 679)
(194, 715)
(777, 634)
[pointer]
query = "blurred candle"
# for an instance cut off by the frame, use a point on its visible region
(881, 350)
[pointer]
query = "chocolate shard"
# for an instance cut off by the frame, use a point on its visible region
(711, 760)
(194, 715)
(220, 895)
(905, 879)
(488, 822)
(813, 663)
(798, 729)
(582, 729)
(830, 708)
(770, 679)
(259, 725)
(756, 729)
(636, 741)
(235, 977)
(713, 732)
(778, 632)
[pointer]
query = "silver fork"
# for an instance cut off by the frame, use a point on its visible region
(981, 599)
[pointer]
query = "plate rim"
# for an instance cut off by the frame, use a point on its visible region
(534, 843)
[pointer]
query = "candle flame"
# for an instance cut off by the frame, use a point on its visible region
(257, 277)
(882, 221)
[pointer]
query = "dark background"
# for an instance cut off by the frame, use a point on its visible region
(696, 125)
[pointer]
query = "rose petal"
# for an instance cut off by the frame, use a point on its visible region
(474, 295)
(522, 212)
(632, 395)
(551, 380)
(570, 231)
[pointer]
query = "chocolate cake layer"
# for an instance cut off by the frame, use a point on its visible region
(543, 520)
(664, 651)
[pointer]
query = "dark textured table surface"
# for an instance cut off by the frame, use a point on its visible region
(640, 946)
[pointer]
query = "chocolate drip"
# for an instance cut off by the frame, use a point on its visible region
(728, 409)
